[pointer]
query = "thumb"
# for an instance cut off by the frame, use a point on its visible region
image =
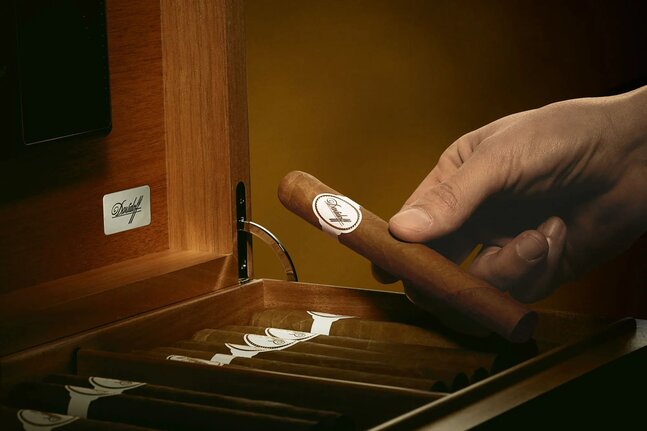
(443, 207)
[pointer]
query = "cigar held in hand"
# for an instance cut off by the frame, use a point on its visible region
(437, 281)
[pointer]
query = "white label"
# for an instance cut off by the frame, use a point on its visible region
(127, 209)
(222, 359)
(336, 214)
(113, 386)
(288, 334)
(322, 322)
(33, 420)
(255, 344)
(81, 398)
(190, 360)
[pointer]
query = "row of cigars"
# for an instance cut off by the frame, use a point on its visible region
(333, 357)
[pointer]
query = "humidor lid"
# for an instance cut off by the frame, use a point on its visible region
(178, 94)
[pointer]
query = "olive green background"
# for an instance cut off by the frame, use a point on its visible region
(366, 95)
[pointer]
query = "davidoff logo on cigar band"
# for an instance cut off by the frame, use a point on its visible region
(288, 334)
(127, 209)
(35, 420)
(112, 385)
(336, 214)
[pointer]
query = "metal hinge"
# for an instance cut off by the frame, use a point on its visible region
(246, 227)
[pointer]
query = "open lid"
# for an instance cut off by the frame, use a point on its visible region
(178, 147)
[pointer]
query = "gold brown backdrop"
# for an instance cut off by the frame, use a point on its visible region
(367, 94)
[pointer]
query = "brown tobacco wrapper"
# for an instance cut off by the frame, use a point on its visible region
(443, 368)
(443, 378)
(368, 405)
(492, 361)
(306, 370)
(15, 420)
(149, 412)
(436, 278)
(391, 332)
(472, 362)
(332, 419)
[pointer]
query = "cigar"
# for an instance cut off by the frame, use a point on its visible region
(499, 360)
(446, 379)
(141, 411)
(330, 419)
(348, 326)
(435, 277)
(306, 359)
(444, 358)
(26, 419)
(445, 366)
(305, 370)
(368, 405)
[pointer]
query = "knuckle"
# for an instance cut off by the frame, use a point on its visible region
(446, 194)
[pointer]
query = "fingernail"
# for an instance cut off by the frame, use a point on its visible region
(552, 228)
(531, 248)
(413, 219)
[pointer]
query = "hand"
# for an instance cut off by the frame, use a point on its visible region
(549, 193)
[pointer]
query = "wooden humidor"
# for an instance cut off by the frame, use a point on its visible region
(180, 126)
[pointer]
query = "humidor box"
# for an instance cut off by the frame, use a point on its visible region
(180, 127)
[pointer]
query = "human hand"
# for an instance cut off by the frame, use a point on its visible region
(549, 193)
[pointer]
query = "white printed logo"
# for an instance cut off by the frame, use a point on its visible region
(111, 385)
(127, 209)
(33, 420)
(336, 214)
(288, 334)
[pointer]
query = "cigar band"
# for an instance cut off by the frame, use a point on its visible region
(336, 214)
(33, 420)
(112, 385)
(322, 322)
(255, 344)
(81, 398)
(222, 358)
(190, 360)
(289, 334)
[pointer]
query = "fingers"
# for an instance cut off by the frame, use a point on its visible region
(543, 282)
(505, 266)
(443, 207)
(527, 265)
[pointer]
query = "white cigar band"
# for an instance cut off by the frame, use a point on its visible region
(255, 344)
(34, 420)
(336, 214)
(81, 398)
(289, 334)
(322, 322)
(180, 358)
(112, 385)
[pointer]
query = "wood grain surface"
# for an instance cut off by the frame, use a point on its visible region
(51, 218)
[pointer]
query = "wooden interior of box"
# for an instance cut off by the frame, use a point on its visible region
(570, 337)
(179, 126)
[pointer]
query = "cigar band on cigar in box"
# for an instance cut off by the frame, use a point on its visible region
(81, 398)
(322, 322)
(180, 358)
(112, 385)
(35, 420)
(336, 214)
